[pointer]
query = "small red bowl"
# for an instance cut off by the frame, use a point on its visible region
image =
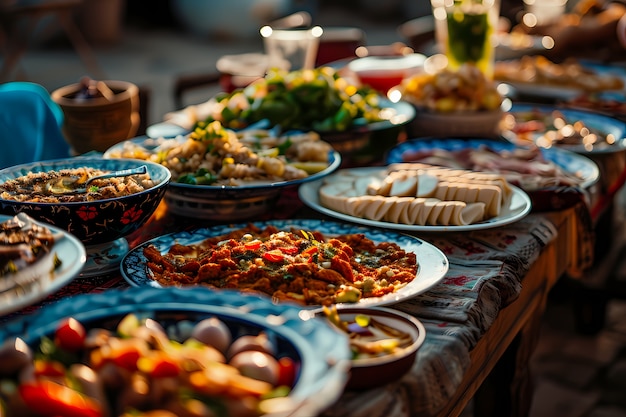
(384, 72)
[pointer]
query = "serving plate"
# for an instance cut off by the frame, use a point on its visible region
(600, 124)
(70, 251)
(611, 103)
(433, 264)
(572, 163)
(543, 91)
(321, 352)
(519, 206)
(558, 92)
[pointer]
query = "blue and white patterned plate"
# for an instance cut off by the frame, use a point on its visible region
(433, 264)
(220, 191)
(518, 208)
(73, 256)
(572, 163)
(323, 354)
(601, 124)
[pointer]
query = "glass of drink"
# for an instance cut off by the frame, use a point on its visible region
(465, 32)
(291, 49)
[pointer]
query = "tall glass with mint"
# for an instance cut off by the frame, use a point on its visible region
(465, 31)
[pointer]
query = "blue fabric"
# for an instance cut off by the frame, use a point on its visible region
(30, 125)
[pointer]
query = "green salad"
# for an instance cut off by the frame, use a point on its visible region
(318, 99)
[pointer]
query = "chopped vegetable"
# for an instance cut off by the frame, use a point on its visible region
(368, 337)
(318, 99)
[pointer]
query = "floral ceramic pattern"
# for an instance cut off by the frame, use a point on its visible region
(93, 222)
(433, 264)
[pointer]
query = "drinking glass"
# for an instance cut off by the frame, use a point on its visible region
(291, 49)
(465, 32)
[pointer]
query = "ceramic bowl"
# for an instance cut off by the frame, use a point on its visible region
(384, 72)
(373, 372)
(232, 203)
(98, 123)
(320, 354)
(367, 144)
(93, 222)
(219, 202)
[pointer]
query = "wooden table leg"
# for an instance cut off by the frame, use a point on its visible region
(508, 390)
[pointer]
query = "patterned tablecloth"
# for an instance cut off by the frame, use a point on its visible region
(486, 273)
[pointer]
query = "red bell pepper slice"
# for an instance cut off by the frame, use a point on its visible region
(310, 251)
(273, 256)
(253, 245)
(289, 250)
(70, 335)
(49, 398)
(286, 372)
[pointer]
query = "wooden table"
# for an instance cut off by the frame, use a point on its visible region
(499, 377)
(495, 374)
(505, 272)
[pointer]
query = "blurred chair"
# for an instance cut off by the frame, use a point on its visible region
(19, 21)
(30, 125)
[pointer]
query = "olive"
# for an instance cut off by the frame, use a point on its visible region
(256, 365)
(213, 332)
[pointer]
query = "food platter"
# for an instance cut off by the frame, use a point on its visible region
(433, 264)
(153, 144)
(601, 125)
(70, 251)
(218, 202)
(544, 90)
(518, 207)
(355, 142)
(321, 352)
(393, 114)
(570, 162)
(611, 103)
